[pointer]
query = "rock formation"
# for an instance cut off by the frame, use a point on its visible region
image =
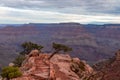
(59, 67)
(63, 67)
(118, 55)
(109, 71)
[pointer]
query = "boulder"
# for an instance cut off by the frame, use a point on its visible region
(57, 68)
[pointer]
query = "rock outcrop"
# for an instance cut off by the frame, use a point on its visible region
(109, 71)
(117, 57)
(63, 67)
(59, 67)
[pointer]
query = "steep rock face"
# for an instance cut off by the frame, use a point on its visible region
(60, 67)
(110, 71)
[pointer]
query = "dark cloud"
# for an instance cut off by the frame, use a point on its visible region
(67, 6)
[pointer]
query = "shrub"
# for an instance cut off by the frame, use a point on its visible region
(59, 47)
(19, 60)
(10, 72)
(29, 46)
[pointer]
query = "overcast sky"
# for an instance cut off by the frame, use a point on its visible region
(54, 11)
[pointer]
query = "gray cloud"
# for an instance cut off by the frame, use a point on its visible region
(67, 6)
(83, 11)
(14, 15)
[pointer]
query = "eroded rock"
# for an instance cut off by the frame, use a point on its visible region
(57, 68)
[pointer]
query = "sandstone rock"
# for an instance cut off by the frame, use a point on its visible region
(11, 64)
(58, 68)
(109, 71)
(34, 53)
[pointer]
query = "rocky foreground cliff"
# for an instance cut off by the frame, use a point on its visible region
(63, 67)
(59, 67)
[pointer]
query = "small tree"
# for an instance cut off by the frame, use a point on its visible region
(58, 48)
(18, 61)
(10, 72)
(29, 46)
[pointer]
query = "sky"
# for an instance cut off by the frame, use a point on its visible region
(56, 11)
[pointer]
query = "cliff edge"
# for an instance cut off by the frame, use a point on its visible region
(36, 66)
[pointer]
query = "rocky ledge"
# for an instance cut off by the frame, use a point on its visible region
(60, 67)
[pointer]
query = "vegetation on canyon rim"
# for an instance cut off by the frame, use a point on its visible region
(10, 72)
(13, 71)
(29, 46)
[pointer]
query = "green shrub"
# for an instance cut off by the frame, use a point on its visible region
(59, 47)
(18, 61)
(10, 72)
(29, 46)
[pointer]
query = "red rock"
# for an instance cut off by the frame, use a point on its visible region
(58, 68)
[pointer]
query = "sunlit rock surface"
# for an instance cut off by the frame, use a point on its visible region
(59, 67)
